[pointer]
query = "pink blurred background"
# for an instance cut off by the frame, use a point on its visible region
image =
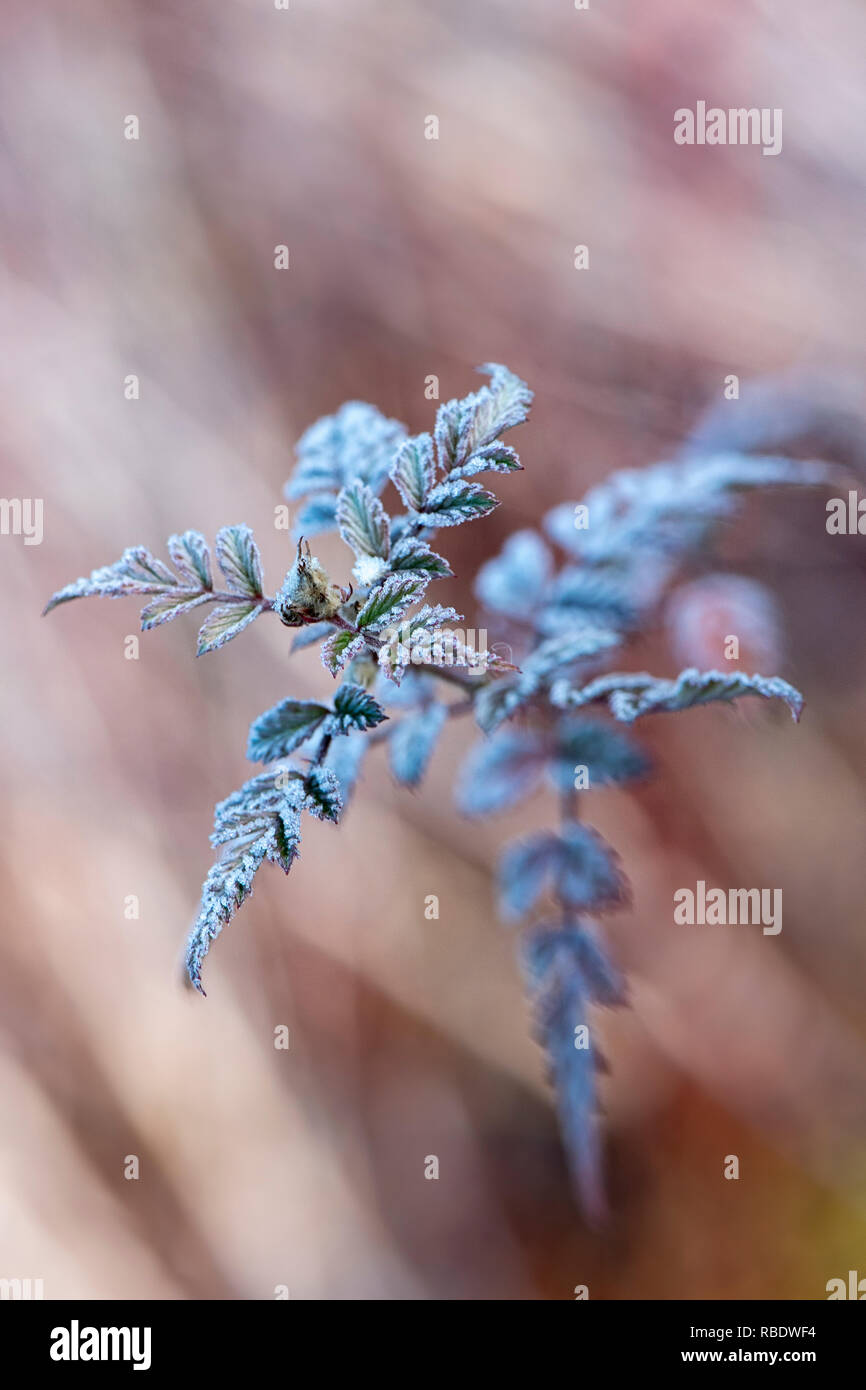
(409, 257)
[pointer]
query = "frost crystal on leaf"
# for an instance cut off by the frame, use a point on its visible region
(191, 558)
(281, 730)
(413, 472)
(627, 546)
(340, 649)
(259, 821)
(239, 559)
(139, 572)
(322, 794)
(363, 521)
(224, 623)
(416, 555)
(631, 695)
(450, 503)
(390, 601)
(355, 708)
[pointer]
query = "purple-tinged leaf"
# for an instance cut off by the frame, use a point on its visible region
(340, 649)
(493, 458)
(223, 623)
(632, 694)
(171, 605)
(190, 556)
(413, 471)
(363, 522)
(238, 558)
(414, 556)
(390, 601)
(451, 503)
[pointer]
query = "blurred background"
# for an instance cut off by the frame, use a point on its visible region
(411, 257)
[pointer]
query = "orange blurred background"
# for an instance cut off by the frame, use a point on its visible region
(409, 257)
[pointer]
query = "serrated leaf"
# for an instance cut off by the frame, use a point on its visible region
(223, 623)
(229, 882)
(416, 557)
(413, 471)
(609, 756)
(238, 558)
(190, 556)
(509, 405)
(525, 867)
(671, 507)
(500, 771)
(430, 617)
(561, 1008)
(171, 605)
(423, 640)
(259, 821)
(136, 572)
(587, 871)
(279, 731)
(441, 647)
(516, 579)
(567, 968)
(339, 649)
(358, 441)
(354, 708)
(564, 650)
(449, 425)
(584, 597)
(464, 427)
(575, 948)
(500, 701)
(322, 794)
(493, 458)
(630, 695)
(451, 503)
(390, 601)
(278, 792)
(363, 522)
(412, 741)
(575, 864)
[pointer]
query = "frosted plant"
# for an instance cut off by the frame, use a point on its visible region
(552, 713)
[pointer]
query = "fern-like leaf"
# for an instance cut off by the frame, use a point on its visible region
(630, 695)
